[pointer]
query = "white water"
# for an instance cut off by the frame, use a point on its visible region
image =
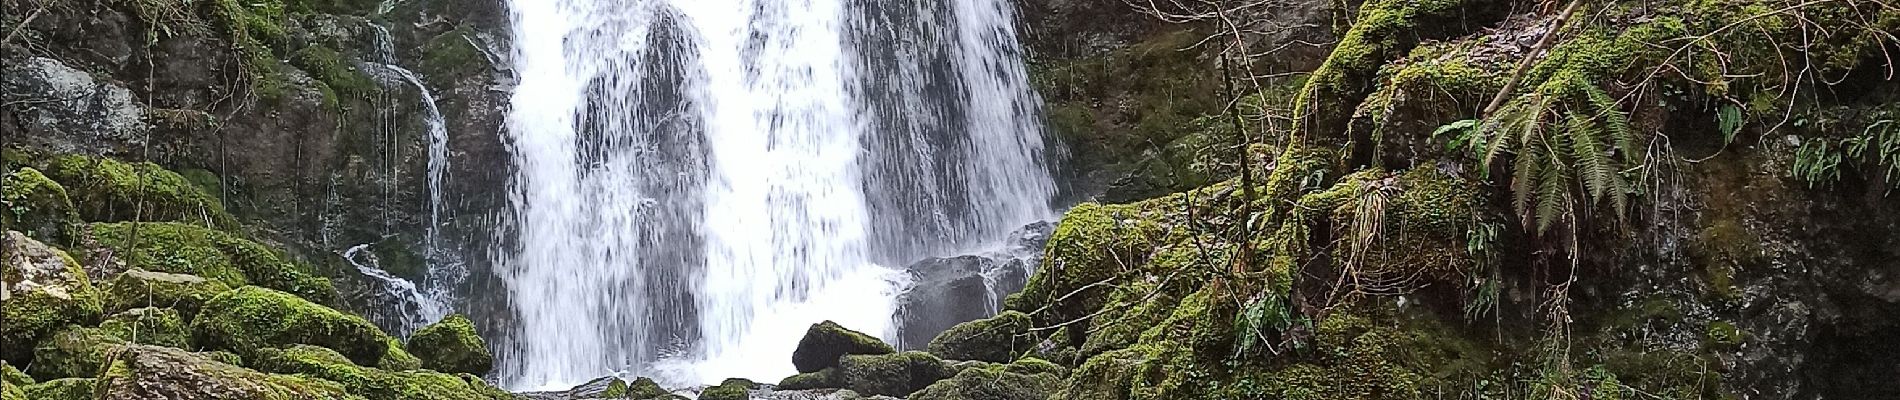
(700, 180)
(412, 309)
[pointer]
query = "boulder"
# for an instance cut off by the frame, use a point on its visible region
(150, 325)
(140, 288)
(997, 339)
(76, 352)
(36, 205)
(829, 378)
(91, 115)
(730, 389)
(13, 382)
(151, 372)
(62, 389)
(251, 318)
(825, 342)
(953, 290)
(323, 363)
(451, 345)
(41, 290)
(1034, 380)
(640, 388)
(896, 375)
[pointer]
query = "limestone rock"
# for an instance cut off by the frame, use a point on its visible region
(41, 290)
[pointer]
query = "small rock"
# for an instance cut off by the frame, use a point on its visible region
(452, 345)
(825, 342)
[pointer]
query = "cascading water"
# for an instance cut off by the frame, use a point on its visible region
(699, 180)
(407, 307)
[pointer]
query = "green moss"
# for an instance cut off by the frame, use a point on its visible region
(12, 376)
(823, 379)
(992, 384)
(727, 391)
(251, 318)
(1105, 376)
(896, 375)
(338, 75)
(140, 288)
(995, 339)
(826, 341)
(62, 389)
(147, 372)
(153, 326)
(452, 345)
(1723, 334)
(76, 352)
(372, 383)
(48, 292)
(398, 359)
(36, 205)
(189, 249)
(640, 388)
(451, 56)
(345, 7)
(107, 190)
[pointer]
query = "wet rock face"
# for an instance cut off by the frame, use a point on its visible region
(953, 290)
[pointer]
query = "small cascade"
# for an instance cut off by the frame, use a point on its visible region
(408, 309)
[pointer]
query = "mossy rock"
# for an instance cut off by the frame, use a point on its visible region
(107, 190)
(640, 388)
(12, 392)
(995, 339)
(829, 378)
(730, 389)
(896, 375)
(189, 249)
(342, 7)
(825, 342)
(373, 383)
(398, 359)
(451, 345)
(36, 205)
(151, 372)
(251, 318)
(62, 389)
(46, 291)
(1092, 243)
(994, 383)
(12, 376)
(150, 325)
(76, 352)
(140, 288)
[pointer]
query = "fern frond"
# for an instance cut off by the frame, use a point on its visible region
(1552, 200)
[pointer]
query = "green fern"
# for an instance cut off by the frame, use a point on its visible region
(1570, 143)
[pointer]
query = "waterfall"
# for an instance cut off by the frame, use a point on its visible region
(699, 180)
(412, 309)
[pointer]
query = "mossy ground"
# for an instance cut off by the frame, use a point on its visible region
(212, 254)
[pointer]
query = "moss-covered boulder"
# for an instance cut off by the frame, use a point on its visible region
(373, 383)
(639, 388)
(104, 190)
(251, 318)
(109, 190)
(149, 325)
(76, 352)
(43, 290)
(829, 378)
(895, 375)
(152, 372)
(825, 342)
(398, 359)
(62, 389)
(140, 288)
(996, 339)
(1029, 382)
(36, 205)
(213, 254)
(730, 389)
(451, 345)
(12, 392)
